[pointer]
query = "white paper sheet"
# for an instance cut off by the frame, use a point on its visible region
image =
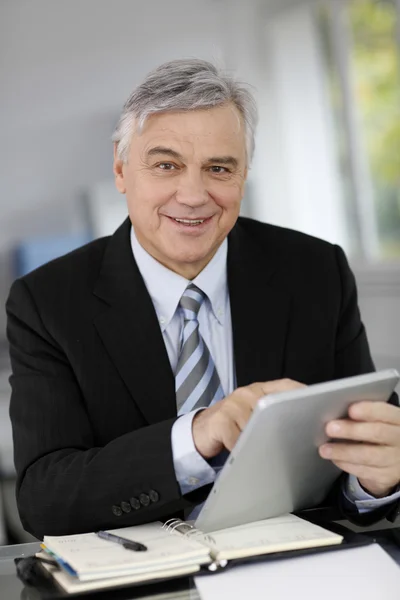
(366, 573)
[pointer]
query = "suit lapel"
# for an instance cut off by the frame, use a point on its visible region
(260, 310)
(130, 331)
(129, 328)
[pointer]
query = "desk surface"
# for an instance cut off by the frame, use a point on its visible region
(11, 588)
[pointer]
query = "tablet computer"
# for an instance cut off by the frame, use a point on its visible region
(275, 467)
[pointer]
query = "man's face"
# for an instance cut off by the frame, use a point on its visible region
(185, 166)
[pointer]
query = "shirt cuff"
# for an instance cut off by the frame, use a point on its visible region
(191, 470)
(364, 502)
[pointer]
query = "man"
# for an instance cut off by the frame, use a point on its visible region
(116, 346)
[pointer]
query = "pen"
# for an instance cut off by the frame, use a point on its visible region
(127, 544)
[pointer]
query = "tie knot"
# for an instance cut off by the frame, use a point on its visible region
(190, 302)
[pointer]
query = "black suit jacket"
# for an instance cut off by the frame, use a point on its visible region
(93, 398)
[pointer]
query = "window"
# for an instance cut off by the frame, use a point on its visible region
(361, 42)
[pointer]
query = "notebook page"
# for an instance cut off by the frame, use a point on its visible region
(93, 558)
(74, 586)
(279, 534)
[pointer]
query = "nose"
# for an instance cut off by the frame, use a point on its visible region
(191, 189)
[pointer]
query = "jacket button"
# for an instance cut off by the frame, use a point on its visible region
(117, 510)
(126, 507)
(144, 499)
(134, 502)
(154, 496)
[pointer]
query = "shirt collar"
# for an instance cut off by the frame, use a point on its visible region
(166, 287)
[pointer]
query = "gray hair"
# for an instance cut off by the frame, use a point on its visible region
(184, 85)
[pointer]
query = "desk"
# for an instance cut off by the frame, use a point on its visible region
(13, 589)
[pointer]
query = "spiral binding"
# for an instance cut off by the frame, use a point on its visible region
(187, 530)
(174, 524)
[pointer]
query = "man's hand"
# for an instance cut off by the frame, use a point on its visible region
(219, 426)
(373, 455)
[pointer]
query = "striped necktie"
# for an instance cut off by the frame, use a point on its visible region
(197, 381)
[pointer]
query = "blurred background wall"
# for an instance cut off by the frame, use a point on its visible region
(326, 75)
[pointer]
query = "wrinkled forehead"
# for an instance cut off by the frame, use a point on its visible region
(196, 131)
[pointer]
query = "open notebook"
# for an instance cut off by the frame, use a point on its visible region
(88, 563)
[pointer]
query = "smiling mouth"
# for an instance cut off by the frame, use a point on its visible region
(190, 222)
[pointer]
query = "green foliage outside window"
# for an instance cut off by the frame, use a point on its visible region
(376, 68)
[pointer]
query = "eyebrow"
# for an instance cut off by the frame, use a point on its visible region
(222, 160)
(164, 150)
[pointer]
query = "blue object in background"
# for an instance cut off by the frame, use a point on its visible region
(35, 252)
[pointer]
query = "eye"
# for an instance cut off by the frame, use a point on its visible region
(218, 170)
(166, 166)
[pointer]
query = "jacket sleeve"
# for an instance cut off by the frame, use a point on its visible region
(353, 358)
(65, 484)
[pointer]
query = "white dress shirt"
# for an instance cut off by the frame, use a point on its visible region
(166, 288)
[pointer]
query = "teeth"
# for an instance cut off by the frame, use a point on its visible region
(190, 221)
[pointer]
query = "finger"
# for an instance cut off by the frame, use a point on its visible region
(361, 454)
(372, 433)
(375, 411)
(253, 392)
(240, 413)
(250, 394)
(230, 436)
(279, 385)
(383, 477)
(246, 396)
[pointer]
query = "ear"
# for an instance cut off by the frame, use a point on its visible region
(118, 169)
